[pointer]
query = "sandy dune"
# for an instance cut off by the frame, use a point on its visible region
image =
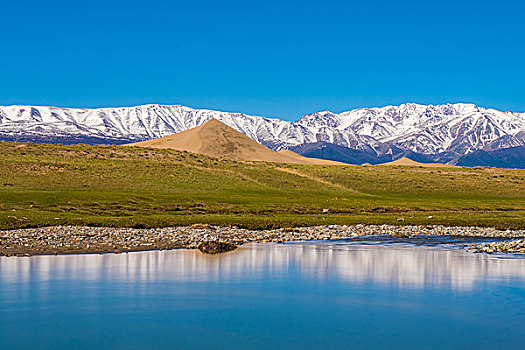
(409, 162)
(308, 160)
(217, 139)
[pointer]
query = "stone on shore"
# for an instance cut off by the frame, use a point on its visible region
(216, 247)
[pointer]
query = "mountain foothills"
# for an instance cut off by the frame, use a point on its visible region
(462, 134)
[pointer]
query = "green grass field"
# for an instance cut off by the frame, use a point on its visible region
(43, 185)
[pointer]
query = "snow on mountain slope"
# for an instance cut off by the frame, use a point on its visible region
(426, 129)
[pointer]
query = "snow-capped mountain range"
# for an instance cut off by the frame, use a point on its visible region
(452, 130)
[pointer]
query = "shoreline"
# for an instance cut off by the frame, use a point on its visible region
(55, 240)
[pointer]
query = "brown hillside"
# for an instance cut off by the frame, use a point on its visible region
(217, 139)
(409, 162)
(308, 160)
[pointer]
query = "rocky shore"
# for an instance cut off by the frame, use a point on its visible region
(211, 239)
(513, 247)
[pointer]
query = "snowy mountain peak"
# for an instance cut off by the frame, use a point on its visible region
(455, 129)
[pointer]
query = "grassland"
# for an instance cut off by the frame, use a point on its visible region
(42, 185)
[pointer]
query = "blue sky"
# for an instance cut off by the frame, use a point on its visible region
(272, 58)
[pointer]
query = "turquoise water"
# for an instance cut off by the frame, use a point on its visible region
(336, 295)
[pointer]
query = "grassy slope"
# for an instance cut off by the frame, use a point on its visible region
(125, 186)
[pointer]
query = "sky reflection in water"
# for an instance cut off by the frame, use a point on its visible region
(332, 294)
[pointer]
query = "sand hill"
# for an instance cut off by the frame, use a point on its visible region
(409, 162)
(217, 139)
(308, 160)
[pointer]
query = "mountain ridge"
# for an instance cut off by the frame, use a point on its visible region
(444, 132)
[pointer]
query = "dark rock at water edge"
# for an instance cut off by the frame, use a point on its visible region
(216, 247)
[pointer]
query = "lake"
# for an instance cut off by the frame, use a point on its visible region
(334, 294)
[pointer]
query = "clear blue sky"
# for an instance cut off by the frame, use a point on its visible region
(272, 58)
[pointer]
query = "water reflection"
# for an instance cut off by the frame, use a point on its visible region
(393, 265)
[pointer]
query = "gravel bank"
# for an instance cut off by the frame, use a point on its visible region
(75, 239)
(512, 247)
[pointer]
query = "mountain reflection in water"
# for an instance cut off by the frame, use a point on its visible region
(404, 267)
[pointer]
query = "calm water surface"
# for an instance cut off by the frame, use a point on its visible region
(273, 296)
